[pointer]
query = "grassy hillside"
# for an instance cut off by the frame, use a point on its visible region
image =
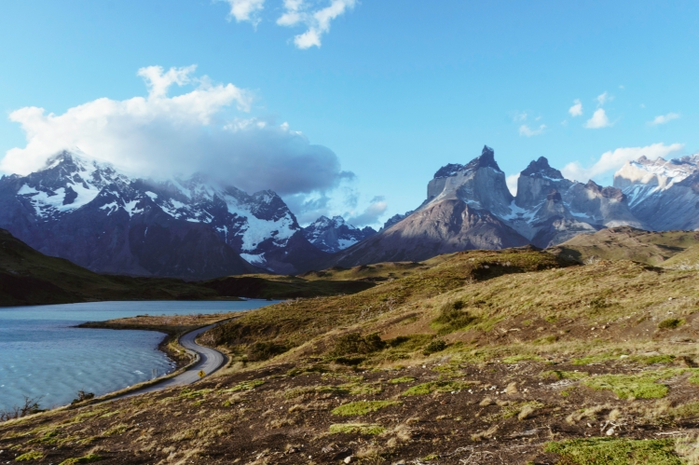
(517, 356)
(652, 248)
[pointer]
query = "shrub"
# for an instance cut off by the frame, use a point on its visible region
(453, 317)
(437, 345)
(83, 396)
(670, 323)
(260, 351)
(355, 343)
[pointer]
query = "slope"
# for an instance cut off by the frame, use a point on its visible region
(652, 248)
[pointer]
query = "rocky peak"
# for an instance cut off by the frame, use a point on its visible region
(333, 235)
(448, 170)
(485, 160)
(541, 167)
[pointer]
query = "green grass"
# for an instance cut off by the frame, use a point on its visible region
(369, 429)
(31, 455)
(89, 458)
(363, 407)
(435, 386)
(671, 323)
(561, 374)
(611, 451)
(402, 379)
(522, 358)
(243, 386)
(640, 386)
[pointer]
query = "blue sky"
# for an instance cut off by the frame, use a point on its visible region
(347, 107)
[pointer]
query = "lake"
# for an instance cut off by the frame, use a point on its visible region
(43, 357)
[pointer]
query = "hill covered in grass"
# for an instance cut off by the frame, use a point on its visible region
(516, 356)
(650, 247)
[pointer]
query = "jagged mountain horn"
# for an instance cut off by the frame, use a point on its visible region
(458, 214)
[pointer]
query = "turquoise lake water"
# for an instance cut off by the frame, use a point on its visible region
(43, 357)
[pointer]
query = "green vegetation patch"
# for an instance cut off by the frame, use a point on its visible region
(363, 407)
(671, 323)
(188, 393)
(561, 374)
(435, 386)
(522, 358)
(402, 379)
(437, 345)
(89, 458)
(244, 386)
(640, 386)
(453, 317)
(652, 359)
(31, 455)
(599, 358)
(355, 343)
(370, 429)
(612, 451)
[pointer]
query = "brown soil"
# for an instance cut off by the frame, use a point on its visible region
(287, 419)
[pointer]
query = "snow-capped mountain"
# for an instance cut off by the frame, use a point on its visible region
(662, 194)
(96, 217)
(333, 235)
(469, 206)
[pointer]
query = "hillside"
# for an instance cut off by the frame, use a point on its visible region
(515, 356)
(650, 247)
(28, 277)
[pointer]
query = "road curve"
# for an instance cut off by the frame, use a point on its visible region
(209, 361)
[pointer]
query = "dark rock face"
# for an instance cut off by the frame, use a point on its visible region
(333, 235)
(193, 229)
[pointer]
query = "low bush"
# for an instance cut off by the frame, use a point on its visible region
(453, 317)
(355, 343)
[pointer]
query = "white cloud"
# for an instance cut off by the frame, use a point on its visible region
(299, 12)
(246, 10)
(576, 109)
(370, 216)
(194, 131)
(599, 120)
(663, 119)
(512, 183)
(602, 98)
(613, 160)
(520, 117)
(525, 130)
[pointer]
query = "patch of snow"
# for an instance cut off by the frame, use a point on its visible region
(258, 259)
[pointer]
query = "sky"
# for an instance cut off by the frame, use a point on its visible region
(347, 107)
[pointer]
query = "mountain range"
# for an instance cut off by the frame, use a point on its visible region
(196, 228)
(470, 207)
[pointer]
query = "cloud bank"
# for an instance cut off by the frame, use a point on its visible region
(614, 159)
(161, 135)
